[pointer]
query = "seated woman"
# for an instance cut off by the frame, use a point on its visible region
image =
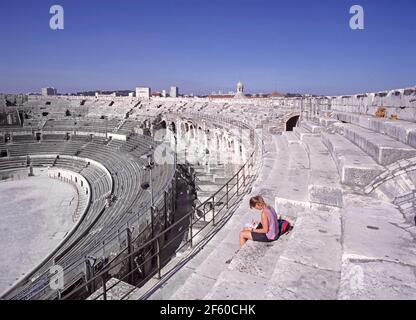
(270, 228)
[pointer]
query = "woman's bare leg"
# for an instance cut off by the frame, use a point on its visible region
(244, 236)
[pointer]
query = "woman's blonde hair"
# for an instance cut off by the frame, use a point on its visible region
(257, 200)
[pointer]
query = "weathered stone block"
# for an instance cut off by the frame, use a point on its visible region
(325, 195)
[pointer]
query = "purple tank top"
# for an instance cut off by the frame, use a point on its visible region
(273, 227)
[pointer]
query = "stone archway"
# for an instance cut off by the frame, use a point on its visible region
(397, 185)
(291, 123)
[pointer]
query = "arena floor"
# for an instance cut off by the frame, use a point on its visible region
(35, 215)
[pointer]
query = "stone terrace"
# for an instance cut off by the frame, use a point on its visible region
(347, 181)
(345, 178)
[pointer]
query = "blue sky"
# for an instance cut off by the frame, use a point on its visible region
(201, 46)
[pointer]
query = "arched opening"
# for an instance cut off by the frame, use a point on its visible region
(291, 123)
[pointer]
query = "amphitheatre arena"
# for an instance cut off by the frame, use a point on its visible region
(130, 198)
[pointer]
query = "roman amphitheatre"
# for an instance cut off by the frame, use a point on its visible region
(144, 198)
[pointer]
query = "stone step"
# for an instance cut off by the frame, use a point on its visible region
(208, 187)
(150, 291)
(324, 182)
(311, 127)
(195, 279)
(218, 171)
(291, 138)
(312, 119)
(355, 167)
(222, 181)
(309, 267)
(209, 183)
(383, 149)
(327, 122)
(301, 133)
(377, 245)
(205, 177)
(251, 267)
(201, 223)
(402, 131)
(289, 267)
(289, 176)
(290, 208)
(208, 194)
(212, 169)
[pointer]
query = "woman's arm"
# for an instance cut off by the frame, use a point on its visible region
(265, 224)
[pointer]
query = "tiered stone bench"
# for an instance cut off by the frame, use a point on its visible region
(311, 127)
(349, 239)
(355, 167)
(291, 137)
(324, 182)
(402, 131)
(383, 149)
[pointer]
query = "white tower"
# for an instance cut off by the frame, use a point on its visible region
(240, 90)
(240, 87)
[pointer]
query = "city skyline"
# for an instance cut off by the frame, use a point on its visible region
(289, 47)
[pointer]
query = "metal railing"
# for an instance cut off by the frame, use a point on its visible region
(219, 203)
(155, 248)
(152, 251)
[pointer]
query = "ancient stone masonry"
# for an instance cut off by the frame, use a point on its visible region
(341, 169)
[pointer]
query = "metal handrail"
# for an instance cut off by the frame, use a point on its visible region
(212, 198)
(103, 272)
(193, 235)
(101, 275)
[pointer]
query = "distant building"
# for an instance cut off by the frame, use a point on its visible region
(143, 92)
(220, 96)
(240, 87)
(240, 90)
(131, 94)
(174, 92)
(49, 92)
(164, 93)
(100, 94)
(276, 95)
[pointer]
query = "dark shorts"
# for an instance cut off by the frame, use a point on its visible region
(260, 237)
